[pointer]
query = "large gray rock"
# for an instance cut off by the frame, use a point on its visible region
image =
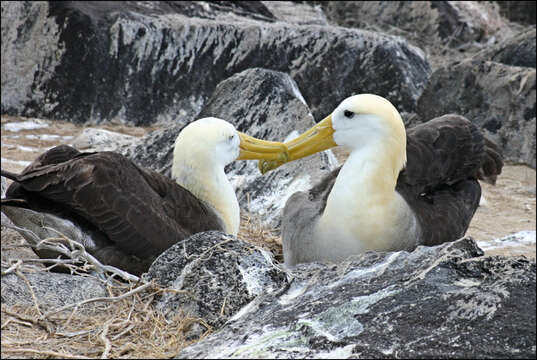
(443, 301)
(300, 14)
(498, 98)
(94, 139)
(451, 23)
(51, 289)
(141, 62)
(216, 275)
(519, 50)
(271, 107)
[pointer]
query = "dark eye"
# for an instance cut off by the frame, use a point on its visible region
(348, 114)
(230, 138)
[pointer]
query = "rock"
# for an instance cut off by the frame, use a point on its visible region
(464, 22)
(517, 51)
(498, 98)
(451, 23)
(519, 11)
(51, 289)
(299, 14)
(31, 48)
(443, 301)
(93, 139)
(4, 220)
(4, 187)
(139, 62)
(272, 108)
(217, 274)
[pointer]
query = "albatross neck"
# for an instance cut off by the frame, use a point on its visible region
(363, 202)
(209, 183)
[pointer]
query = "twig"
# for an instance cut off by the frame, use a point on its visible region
(56, 244)
(10, 320)
(42, 324)
(34, 298)
(104, 299)
(106, 342)
(12, 268)
(117, 336)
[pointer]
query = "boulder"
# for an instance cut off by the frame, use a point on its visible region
(215, 274)
(299, 14)
(518, 50)
(271, 107)
(94, 139)
(139, 62)
(451, 23)
(51, 290)
(498, 98)
(443, 301)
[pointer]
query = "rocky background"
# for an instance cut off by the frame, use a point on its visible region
(273, 69)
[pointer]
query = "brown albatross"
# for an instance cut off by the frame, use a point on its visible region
(396, 190)
(126, 215)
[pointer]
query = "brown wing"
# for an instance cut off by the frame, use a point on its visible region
(140, 211)
(445, 157)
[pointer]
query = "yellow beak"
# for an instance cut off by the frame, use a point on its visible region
(313, 140)
(252, 148)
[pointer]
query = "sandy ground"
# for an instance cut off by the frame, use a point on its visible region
(506, 208)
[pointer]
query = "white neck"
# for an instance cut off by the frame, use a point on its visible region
(363, 205)
(208, 182)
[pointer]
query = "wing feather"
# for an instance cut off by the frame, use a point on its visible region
(140, 211)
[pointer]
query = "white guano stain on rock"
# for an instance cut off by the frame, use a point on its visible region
(292, 293)
(358, 273)
(277, 198)
(476, 304)
(296, 91)
(338, 353)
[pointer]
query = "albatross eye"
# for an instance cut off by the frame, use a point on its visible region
(348, 114)
(230, 138)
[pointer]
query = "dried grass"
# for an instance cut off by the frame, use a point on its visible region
(254, 232)
(126, 326)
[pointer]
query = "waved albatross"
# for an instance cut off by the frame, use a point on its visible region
(126, 215)
(374, 201)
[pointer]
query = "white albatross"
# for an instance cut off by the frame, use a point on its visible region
(126, 215)
(396, 190)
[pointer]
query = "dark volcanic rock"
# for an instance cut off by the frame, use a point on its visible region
(271, 107)
(520, 50)
(498, 98)
(217, 275)
(519, 11)
(141, 62)
(442, 301)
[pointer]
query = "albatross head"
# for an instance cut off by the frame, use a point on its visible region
(216, 142)
(203, 148)
(359, 122)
